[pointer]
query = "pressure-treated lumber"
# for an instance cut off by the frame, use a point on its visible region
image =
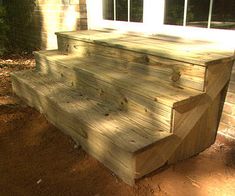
(176, 73)
(127, 91)
(193, 51)
(106, 69)
(87, 121)
(135, 103)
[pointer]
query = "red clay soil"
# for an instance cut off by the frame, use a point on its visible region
(38, 159)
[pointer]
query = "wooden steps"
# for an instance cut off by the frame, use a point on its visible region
(177, 73)
(133, 102)
(87, 120)
(189, 51)
(128, 91)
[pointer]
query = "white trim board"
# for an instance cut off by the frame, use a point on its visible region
(153, 23)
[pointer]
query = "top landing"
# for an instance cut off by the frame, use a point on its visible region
(191, 51)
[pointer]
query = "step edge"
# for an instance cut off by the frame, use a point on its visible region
(175, 104)
(151, 52)
(18, 78)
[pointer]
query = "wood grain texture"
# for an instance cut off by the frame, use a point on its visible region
(133, 106)
(189, 120)
(192, 51)
(174, 72)
(152, 98)
(88, 111)
(201, 136)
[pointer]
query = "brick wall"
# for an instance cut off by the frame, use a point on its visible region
(50, 16)
(227, 123)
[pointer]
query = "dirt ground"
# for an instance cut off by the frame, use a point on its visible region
(38, 159)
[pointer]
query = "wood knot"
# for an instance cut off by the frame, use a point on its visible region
(143, 59)
(101, 92)
(126, 100)
(175, 76)
(76, 46)
(67, 48)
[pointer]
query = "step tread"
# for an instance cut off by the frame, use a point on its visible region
(192, 51)
(116, 126)
(103, 68)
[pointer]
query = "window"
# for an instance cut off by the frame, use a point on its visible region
(223, 15)
(206, 14)
(174, 12)
(123, 10)
(198, 13)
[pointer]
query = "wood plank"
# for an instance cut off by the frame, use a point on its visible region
(201, 136)
(191, 76)
(87, 111)
(155, 47)
(187, 123)
(215, 74)
(119, 161)
(165, 94)
(156, 113)
(51, 98)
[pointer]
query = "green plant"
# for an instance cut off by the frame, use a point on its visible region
(3, 30)
(19, 17)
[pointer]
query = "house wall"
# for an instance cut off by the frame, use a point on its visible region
(227, 123)
(50, 16)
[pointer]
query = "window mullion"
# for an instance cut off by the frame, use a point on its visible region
(210, 14)
(114, 10)
(185, 12)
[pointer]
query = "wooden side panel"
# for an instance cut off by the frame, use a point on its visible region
(173, 72)
(201, 136)
(155, 156)
(195, 126)
(216, 77)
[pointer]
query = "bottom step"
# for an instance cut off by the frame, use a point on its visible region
(110, 136)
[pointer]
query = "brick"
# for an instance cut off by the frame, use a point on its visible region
(230, 98)
(226, 130)
(232, 78)
(231, 87)
(228, 108)
(228, 119)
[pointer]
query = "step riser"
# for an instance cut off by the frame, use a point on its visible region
(184, 75)
(119, 98)
(119, 161)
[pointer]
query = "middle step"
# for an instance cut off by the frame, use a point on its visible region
(111, 82)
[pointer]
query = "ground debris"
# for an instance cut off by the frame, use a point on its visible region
(39, 181)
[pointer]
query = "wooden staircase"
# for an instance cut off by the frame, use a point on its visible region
(133, 102)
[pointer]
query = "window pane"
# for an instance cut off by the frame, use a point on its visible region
(108, 13)
(122, 10)
(223, 14)
(174, 12)
(197, 13)
(136, 11)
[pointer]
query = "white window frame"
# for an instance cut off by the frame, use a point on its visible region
(96, 21)
(153, 23)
